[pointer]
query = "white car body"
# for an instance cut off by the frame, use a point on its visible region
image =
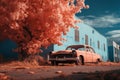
(74, 54)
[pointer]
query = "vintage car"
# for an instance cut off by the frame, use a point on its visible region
(78, 54)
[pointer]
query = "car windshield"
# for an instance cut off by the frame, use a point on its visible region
(76, 47)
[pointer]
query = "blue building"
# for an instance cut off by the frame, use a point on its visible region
(84, 35)
(113, 51)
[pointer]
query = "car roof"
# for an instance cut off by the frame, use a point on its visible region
(79, 46)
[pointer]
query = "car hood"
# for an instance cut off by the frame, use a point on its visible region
(62, 52)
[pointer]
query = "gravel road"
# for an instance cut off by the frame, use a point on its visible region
(47, 72)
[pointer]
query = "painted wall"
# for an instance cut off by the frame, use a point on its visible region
(93, 38)
(110, 53)
(6, 50)
(46, 51)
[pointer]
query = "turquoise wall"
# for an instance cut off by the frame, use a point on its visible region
(6, 50)
(111, 53)
(93, 38)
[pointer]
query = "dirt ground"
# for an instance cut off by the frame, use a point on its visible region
(107, 75)
(26, 71)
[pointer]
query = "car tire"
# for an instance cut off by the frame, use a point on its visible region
(52, 63)
(80, 61)
(98, 61)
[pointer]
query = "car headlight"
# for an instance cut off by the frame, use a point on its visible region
(50, 52)
(74, 53)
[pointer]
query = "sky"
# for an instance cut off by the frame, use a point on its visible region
(104, 16)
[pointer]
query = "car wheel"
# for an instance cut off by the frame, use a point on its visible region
(98, 61)
(80, 61)
(52, 62)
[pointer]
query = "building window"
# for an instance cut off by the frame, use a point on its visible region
(93, 31)
(86, 39)
(104, 47)
(98, 44)
(115, 50)
(76, 35)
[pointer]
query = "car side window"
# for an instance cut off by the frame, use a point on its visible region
(81, 49)
(91, 50)
(87, 49)
(70, 48)
(73, 49)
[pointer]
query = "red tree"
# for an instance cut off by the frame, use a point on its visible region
(37, 23)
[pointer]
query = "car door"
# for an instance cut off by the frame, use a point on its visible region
(94, 55)
(89, 55)
(83, 52)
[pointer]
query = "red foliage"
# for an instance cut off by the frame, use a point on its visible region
(37, 23)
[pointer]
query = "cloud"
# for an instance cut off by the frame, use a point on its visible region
(114, 32)
(114, 35)
(105, 21)
(102, 21)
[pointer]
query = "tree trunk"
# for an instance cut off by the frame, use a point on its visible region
(34, 59)
(22, 55)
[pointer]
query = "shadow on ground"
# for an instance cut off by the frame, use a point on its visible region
(108, 75)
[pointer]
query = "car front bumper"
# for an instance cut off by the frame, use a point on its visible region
(62, 59)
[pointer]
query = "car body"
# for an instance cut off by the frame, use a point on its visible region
(78, 54)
